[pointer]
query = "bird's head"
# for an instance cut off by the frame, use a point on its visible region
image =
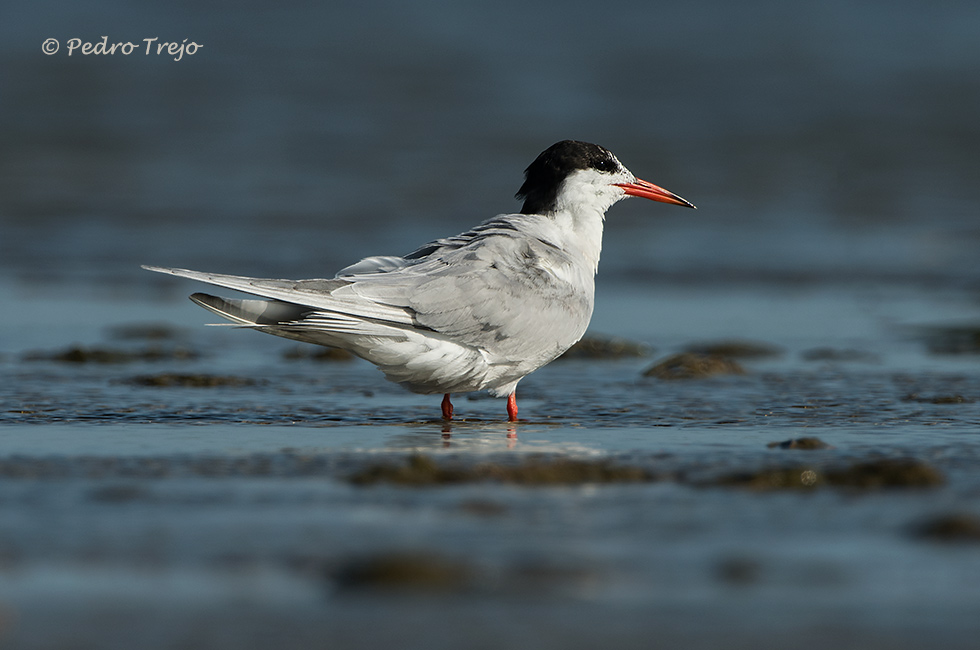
(572, 175)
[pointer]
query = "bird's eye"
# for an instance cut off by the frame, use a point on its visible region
(605, 165)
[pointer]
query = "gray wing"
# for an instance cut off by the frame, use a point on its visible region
(505, 291)
(503, 287)
(332, 295)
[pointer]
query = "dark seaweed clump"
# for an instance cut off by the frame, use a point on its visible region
(953, 527)
(171, 379)
(865, 475)
(401, 571)
(735, 349)
(422, 470)
(938, 399)
(800, 443)
(101, 355)
(690, 365)
(601, 347)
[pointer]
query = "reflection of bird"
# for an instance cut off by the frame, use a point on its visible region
(477, 311)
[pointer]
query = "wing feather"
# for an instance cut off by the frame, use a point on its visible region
(504, 288)
(510, 296)
(317, 293)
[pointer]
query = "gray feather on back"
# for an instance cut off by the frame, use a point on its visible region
(490, 290)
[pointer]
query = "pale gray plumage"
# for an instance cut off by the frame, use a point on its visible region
(477, 311)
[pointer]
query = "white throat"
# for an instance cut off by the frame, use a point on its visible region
(580, 210)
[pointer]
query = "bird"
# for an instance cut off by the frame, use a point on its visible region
(477, 311)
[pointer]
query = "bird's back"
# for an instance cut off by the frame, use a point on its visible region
(477, 311)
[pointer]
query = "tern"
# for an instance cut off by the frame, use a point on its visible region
(478, 311)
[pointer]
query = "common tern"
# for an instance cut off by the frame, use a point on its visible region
(478, 311)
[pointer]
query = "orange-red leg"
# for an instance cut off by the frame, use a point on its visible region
(512, 407)
(447, 408)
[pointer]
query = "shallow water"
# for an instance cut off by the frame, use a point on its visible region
(831, 151)
(227, 509)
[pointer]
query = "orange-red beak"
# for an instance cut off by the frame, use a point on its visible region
(653, 192)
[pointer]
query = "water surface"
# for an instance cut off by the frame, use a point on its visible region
(831, 152)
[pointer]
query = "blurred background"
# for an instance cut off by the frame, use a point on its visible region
(831, 149)
(830, 144)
